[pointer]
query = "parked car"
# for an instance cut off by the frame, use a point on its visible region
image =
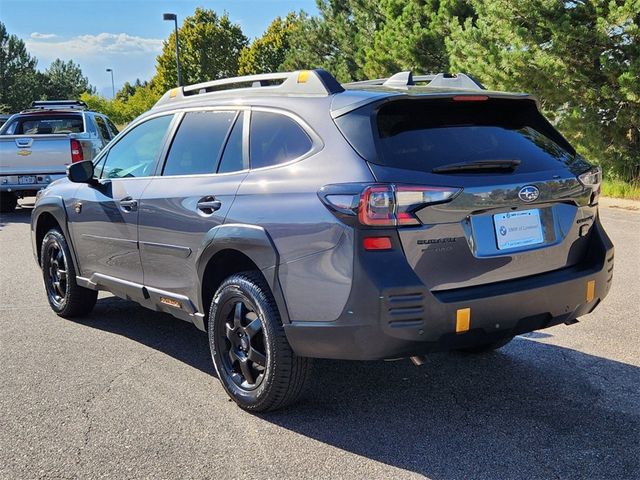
(37, 144)
(300, 218)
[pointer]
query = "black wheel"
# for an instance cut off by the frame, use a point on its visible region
(486, 347)
(8, 202)
(249, 348)
(65, 296)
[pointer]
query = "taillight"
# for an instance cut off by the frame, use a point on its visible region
(592, 178)
(76, 151)
(383, 204)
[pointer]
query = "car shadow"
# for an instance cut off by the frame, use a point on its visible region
(529, 410)
(22, 214)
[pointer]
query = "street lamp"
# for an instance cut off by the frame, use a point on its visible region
(113, 86)
(174, 17)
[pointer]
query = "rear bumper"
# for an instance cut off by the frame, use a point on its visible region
(390, 313)
(10, 183)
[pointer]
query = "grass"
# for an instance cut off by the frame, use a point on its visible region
(621, 189)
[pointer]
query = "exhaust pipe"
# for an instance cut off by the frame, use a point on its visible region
(418, 360)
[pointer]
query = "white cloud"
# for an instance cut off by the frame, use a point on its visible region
(43, 36)
(84, 46)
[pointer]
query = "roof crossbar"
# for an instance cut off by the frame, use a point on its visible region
(58, 105)
(407, 79)
(301, 82)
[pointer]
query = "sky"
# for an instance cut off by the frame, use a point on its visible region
(125, 35)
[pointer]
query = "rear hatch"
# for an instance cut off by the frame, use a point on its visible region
(517, 207)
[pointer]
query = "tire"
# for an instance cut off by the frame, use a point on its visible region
(486, 347)
(65, 296)
(8, 202)
(249, 348)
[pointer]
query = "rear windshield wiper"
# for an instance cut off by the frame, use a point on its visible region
(481, 166)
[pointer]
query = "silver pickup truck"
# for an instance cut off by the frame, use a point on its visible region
(37, 144)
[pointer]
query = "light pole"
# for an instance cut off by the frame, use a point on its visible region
(113, 85)
(174, 17)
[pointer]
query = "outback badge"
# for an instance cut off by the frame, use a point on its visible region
(529, 193)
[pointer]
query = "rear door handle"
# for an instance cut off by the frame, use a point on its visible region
(128, 204)
(208, 204)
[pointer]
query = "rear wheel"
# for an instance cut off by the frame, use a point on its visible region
(249, 348)
(65, 296)
(8, 202)
(486, 347)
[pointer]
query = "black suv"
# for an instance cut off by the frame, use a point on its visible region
(293, 217)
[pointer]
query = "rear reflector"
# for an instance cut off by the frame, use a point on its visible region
(591, 290)
(76, 151)
(377, 243)
(463, 320)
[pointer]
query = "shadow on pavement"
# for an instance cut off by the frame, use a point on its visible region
(530, 410)
(22, 214)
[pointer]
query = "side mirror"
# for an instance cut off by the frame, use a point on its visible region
(81, 172)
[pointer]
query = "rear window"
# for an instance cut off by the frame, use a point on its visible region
(426, 134)
(42, 124)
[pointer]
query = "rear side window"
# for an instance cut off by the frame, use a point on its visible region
(232, 158)
(275, 139)
(426, 134)
(198, 143)
(44, 124)
(102, 126)
(112, 127)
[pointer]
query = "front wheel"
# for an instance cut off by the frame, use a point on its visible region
(249, 348)
(65, 296)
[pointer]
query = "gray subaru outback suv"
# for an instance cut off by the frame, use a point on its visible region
(293, 217)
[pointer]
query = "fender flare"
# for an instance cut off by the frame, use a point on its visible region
(53, 205)
(254, 242)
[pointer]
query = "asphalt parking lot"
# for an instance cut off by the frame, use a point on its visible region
(129, 393)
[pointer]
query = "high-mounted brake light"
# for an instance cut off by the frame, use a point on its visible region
(470, 98)
(394, 205)
(76, 151)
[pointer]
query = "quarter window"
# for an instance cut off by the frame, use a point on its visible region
(136, 153)
(276, 139)
(197, 145)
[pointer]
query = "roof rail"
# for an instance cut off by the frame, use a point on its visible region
(58, 104)
(406, 79)
(301, 82)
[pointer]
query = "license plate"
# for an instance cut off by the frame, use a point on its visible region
(26, 179)
(518, 229)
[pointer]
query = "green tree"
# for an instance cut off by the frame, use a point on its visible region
(64, 80)
(335, 40)
(209, 49)
(267, 53)
(581, 58)
(19, 80)
(411, 36)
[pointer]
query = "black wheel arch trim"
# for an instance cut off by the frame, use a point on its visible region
(254, 242)
(53, 205)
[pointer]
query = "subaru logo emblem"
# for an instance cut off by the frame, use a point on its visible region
(529, 193)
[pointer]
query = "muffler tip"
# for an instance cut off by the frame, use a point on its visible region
(418, 360)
